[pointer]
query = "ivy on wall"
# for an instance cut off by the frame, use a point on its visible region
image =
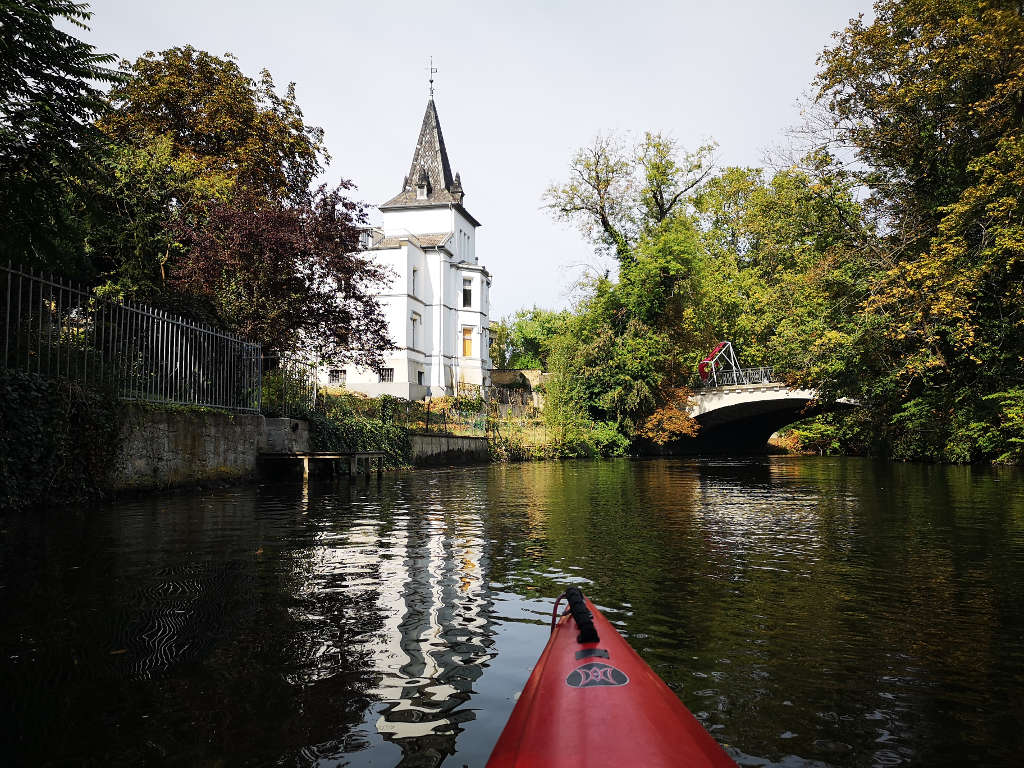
(336, 426)
(58, 441)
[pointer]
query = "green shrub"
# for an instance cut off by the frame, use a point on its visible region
(286, 392)
(607, 440)
(508, 447)
(335, 425)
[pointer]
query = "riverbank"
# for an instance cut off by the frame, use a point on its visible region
(65, 444)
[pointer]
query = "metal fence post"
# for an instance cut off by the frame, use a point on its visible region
(258, 373)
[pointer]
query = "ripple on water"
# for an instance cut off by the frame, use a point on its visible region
(811, 612)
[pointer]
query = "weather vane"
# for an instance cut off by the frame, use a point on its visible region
(432, 72)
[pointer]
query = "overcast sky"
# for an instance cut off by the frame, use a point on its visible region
(520, 86)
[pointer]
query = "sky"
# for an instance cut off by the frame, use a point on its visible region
(520, 86)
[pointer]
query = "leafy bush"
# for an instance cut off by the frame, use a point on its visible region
(510, 446)
(58, 441)
(335, 425)
(1011, 425)
(287, 392)
(606, 440)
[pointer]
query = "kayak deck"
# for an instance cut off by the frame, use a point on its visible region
(596, 704)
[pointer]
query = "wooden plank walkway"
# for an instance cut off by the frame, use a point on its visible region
(355, 459)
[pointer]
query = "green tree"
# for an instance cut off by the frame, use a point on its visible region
(227, 130)
(930, 95)
(498, 350)
(624, 357)
(49, 145)
(615, 192)
(772, 264)
(791, 270)
(127, 226)
(899, 283)
(530, 335)
(191, 131)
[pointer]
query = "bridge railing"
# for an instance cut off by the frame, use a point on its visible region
(738, 376)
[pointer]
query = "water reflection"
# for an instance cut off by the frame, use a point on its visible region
(437, 639)
(416, 572)
(810, 612)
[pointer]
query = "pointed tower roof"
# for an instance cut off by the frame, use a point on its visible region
(430, 164)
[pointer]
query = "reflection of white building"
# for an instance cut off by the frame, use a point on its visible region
(437, 307)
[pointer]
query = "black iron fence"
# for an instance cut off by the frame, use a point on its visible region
(290, 386)
(54, 328)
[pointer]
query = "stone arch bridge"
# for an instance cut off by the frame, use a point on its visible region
(744, 408)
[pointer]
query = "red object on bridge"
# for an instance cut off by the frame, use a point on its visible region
(704, 368)
(592, 702)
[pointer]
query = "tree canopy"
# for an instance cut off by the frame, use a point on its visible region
(211, 210)
(931, 97)
(49, 100)
(291, 277)
(524, 339)
(226, 130)
(615, 193)
(189, 130)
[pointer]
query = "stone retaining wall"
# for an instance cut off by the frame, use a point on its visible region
(167, 448)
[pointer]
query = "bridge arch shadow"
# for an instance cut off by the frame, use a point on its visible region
(739, 420)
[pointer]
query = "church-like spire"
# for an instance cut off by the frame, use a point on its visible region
(429, 161)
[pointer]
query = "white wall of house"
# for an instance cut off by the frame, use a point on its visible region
(429, 324)
(417, 221)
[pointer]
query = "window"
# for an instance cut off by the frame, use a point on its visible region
(336, 376)
(467, 292)
(414, 274)
(467, 342)
(387, 375)
(419, 378)
(414, 337)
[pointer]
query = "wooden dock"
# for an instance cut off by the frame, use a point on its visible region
(355, 459)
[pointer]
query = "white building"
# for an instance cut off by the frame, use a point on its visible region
(437, 307)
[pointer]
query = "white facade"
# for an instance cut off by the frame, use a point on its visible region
(438, 305)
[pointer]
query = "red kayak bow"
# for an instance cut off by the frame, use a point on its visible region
(593, 702)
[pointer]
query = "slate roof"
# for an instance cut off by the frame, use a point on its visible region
(433, 240)
(430, 160)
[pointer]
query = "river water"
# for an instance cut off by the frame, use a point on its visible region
(809, 611)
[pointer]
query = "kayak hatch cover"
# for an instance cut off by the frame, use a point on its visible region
(592, 702)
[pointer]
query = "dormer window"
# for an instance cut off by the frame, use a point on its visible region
(422, 184)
